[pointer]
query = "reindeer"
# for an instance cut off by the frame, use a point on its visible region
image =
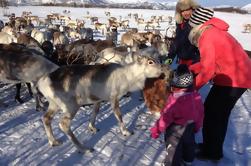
(101, 26)
(59, 38)
(125, 24)
(70, 87)
(19, 64)
(93, 20)
(39, 35)
(83, 51)
(152, 25)
(247, 28)
(28, 41)
(156, 90)
(132, 40)
(85, 33)
(138, 40)
(115, 55)
(108, 14)
(6, 38)
(9, 30)
(122, 56)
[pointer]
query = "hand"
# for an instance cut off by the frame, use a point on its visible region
(154, 132)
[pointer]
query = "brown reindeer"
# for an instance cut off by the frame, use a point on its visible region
(59, 38)
(156, 91)
(83, 51)
(101, 26)
(247, 28)
(26, 40)
(70, 87)
(19, 64)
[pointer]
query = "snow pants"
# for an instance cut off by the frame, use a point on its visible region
(218, 105)
(180, 144)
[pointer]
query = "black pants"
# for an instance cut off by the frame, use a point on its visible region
(218, 105)
(180, 144)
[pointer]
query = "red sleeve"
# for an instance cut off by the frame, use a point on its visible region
(195, 68)
(207, 63)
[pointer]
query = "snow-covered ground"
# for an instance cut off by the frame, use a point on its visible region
(23, 140)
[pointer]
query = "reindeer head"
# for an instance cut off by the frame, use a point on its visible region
(151, 67)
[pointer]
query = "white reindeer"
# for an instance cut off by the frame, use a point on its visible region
(72, 86)
(6, 38)
(111, 55)
(39, 35)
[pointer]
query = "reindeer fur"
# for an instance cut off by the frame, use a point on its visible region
(20, 64)
(70, 87)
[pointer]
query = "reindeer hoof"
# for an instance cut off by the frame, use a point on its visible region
(86, 150)
(40, 109)
(19, 100)
(93, 129)
(127, 133)
(89, 150)
(55, 143)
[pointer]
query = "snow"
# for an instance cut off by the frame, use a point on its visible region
(24, 142)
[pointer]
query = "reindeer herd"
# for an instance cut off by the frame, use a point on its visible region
(69, 68)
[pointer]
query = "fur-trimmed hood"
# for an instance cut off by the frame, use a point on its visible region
(196, 32)
(183, 5)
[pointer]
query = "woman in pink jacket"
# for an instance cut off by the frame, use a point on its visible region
(226, 64)
(180, 119)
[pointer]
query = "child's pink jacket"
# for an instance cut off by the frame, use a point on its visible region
(180, 108)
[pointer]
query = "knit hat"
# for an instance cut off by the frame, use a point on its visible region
(182, 77)
(200, 16)
(181, 6)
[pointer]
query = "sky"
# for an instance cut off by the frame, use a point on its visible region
(23, 138)
(239, 3)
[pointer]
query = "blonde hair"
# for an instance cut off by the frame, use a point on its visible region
(183, 5)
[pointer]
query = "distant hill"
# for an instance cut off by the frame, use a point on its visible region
(150, 4)
(144, 4)
(230, 9)
(247, 8)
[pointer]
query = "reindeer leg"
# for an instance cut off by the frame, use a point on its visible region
(39, 104)
(117, 113)
(65, 127)
(48, 116)
(29, 89)
(95, 111)
(17, 97)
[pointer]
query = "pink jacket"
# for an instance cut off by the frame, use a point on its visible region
(180, 108)
(222, 58)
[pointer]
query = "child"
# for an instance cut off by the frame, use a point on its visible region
(181, 117)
